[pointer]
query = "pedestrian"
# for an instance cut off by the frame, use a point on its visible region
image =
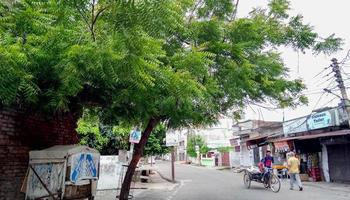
(293, 168)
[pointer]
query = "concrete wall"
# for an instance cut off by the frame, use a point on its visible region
(209, 162)
(246, 156)
(110, 173)
(21, 132)
(234, 159)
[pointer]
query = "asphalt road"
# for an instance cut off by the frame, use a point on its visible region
(199, 183)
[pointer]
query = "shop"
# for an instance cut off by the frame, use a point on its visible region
(339, 162)
(336, 151)
(309, 152)
(313, 139)
(280, 151)
(324, 156)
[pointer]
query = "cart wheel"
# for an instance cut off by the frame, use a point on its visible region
(275, 183)
(246, 179)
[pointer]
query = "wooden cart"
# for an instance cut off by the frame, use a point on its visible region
(62, 172)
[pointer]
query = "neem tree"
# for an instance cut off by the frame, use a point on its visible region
(149, 61)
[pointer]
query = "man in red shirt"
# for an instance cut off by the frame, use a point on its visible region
(267, 162)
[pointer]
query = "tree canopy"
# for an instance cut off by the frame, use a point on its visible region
(156, 142)
(106, 139)
(182, 60)
(146, 61)
(193, 141)
(109, 139)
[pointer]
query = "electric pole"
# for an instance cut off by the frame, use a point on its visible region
(173, 164)
(339, 80)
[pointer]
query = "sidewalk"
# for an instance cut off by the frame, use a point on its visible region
(156, 182)
(329, 186)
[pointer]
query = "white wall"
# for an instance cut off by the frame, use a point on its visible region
(110, 173)
(234, 159)
(218, 135)
(246, 156)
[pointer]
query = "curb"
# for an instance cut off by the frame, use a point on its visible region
(165, 178)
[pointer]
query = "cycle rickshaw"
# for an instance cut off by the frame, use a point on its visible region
(268, 178)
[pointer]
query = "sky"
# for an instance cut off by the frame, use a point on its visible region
(327, 17)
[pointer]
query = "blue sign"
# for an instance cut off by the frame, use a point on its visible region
(91, 165)
(77, 170)
(319, 120)
(135, 136)
(83, 167)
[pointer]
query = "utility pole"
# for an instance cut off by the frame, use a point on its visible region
(339, 80)
(172, 164)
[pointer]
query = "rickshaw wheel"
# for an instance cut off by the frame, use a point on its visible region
(275, 183)
(247, 180)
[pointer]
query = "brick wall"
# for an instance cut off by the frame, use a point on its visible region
(21, 132)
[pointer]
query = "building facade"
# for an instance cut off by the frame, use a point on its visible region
(322, 142)
(249, 141)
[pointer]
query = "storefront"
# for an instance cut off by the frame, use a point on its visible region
(309, 153)
(323, 156)
(280, 150)
(337, 151)
(311, 136)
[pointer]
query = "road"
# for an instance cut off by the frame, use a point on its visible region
(199, 183)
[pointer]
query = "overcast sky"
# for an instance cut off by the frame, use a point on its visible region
(326, 17)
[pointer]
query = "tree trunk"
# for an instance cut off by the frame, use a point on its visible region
(138, 148)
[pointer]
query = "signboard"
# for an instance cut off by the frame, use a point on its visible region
(84, 166)
(171, 138)
(295, 126)
(319, 120)
(135, 136)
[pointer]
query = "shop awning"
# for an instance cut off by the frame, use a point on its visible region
(256, 141)
(308, 137)
(281, 146)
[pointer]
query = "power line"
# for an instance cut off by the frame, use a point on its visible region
(324, 69)
(346, 57)
(325, 82)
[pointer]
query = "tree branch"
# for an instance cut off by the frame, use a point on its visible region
(191, 16)
(234, 14)
(82, 15)
(98, 14)
(92, 21)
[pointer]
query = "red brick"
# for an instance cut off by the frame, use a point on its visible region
(21, 132)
